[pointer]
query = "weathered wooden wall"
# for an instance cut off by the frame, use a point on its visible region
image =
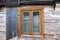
(51, 24)
(52, 20)
(3, 19)
(3, 24)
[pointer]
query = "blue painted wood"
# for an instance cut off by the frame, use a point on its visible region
(12, 23)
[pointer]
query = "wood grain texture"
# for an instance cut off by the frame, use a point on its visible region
(31, 22)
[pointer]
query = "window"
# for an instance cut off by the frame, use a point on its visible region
(31, 21)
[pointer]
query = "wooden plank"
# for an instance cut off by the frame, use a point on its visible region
(32, 8)
(31, 22)
(42, 22)
(20, 25)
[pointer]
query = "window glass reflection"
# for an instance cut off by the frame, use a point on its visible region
(36, 21)
(26, 21)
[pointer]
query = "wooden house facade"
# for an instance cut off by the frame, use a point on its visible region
(25, 17)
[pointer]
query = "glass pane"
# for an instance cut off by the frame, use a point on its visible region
(36, 22)
(26, 22)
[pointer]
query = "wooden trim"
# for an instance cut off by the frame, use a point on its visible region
(20, 24)
(32, 8)
(42, 22)
(31, 22)
(41, 11)
(22, 21)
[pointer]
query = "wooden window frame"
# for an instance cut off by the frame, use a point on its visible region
(20, 27)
